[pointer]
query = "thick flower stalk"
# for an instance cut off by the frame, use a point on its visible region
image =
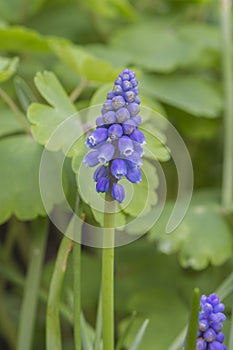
(116, 144)
(211, 317)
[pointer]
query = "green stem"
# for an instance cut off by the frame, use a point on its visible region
(77, 294)
(98, 326)
(227, 181)
(17, 113)
(30, 299)
(77, 250)
(53, 331)
(193, 323)
(108, 277)
(78, 90)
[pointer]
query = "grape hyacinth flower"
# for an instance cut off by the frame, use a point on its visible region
(211, 317)
(116, 143)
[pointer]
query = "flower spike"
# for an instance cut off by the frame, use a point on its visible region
(116, 143)
(211, 317)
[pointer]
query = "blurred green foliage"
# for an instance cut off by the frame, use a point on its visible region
(53, 48)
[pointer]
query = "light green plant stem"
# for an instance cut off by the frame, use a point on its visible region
(191, 338)
(77, 294)
(98, 326)
(108, 276)
(77, 237)
(78, 90)
(53, 331)
(30, 298)
(227, 177)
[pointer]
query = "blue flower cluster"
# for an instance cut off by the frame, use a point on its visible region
(211, 317)
(116, 143)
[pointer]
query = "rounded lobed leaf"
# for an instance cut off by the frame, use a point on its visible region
(202, 238)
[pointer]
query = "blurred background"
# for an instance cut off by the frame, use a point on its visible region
(176, 49)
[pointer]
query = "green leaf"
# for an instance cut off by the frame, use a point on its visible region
(115, 56)
(20, 195)
(22, 9)
(24, 92)
(144, 193)
(8, 67)
(165, 44)
(28, 313)
(53, 329)
(155, 143)
(125, 8)
(82, 62)
(178, 343)
(226, 287)
(189, 93)
(153, 104)
(201, 35)
(45, 119)
(120, 218)
(87, 335)
(202, 238)
(122, 338)
(98, 325)
(195, 128)
(100, 94)
(66, 13)
(19, 178)
(67, 76)
(205, 42)
(111, 8)
(18, 39)
(163, 56)
(8, 123)
(80, 150)
(51, 89)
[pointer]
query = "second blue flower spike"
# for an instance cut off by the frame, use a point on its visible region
(117, 142)
(210, 335)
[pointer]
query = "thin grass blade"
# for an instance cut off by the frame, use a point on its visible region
(139, 336)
